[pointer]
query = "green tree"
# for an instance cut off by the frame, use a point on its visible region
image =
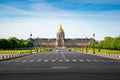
(20, 44)
(27, 44)
(109, 43)
(100, 44)
(117, 43)
(93, 44)
(13, 42)
(4, 44)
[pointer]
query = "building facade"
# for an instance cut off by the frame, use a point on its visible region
(61, 41)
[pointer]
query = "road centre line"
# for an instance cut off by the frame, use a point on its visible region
(63, 56)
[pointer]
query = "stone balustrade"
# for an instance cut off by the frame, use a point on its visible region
(12, 55)
(115, 56)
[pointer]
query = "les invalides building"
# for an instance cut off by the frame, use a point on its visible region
(61, 41)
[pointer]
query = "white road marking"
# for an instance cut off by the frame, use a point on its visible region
(9, 61)
(31, 61)
(39, 60)
(67, 60)
(60, 60)
(81, 60)
(53, 60)
(88, 60)
(24, 61)
(17, 61)
(56, 58)
(60, 67)
(45, 60)
(102, 60)
(110, 61)
(74, 60)
(95, 60)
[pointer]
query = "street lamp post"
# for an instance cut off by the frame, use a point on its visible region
(48, 43)
(86, 45)
(82, 48)
(30, 43)
(40, 44)
(93, 44)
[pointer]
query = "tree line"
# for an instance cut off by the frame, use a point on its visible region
(108, 43)
(14, 43)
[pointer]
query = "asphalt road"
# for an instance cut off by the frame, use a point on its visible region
(63, 65)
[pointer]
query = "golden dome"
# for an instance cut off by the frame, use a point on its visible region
(60, 28)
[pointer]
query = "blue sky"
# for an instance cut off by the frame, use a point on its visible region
(80, 18)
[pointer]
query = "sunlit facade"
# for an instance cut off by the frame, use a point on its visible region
(61, 41)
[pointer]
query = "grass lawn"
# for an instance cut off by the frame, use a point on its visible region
(101, 50)
(26, 50)
(12, 51)
(105, 51)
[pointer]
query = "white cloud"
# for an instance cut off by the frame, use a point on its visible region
(46, 10)
(43, 21)
(12, 10)
(47, 28)
(40, 10)
(42, 7)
